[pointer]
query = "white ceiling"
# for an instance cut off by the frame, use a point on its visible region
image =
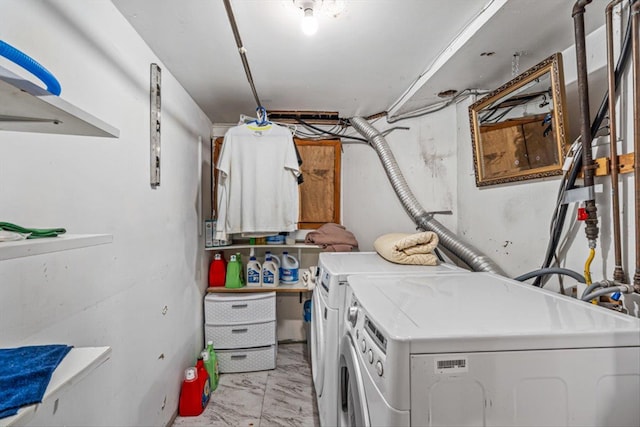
(359, 63)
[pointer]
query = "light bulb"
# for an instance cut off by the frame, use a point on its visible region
(309, 23)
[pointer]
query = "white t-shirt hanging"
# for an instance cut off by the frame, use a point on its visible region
(257, 181)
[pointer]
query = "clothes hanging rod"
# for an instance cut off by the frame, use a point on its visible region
(241, 50)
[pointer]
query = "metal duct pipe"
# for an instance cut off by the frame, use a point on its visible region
(618, 272)
(468, 254)
(635, 46)
(585, 119)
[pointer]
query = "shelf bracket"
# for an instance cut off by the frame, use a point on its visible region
(155, 125)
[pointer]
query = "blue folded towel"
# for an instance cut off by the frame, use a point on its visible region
(25, 373)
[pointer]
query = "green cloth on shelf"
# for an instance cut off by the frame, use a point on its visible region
(34, 233)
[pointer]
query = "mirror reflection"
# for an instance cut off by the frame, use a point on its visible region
(518, 130)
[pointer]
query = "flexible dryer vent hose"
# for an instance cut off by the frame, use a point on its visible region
(468, 254)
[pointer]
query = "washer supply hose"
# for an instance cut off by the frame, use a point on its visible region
(551, 270)
(31, 65)
(625, 289)
(471, 256)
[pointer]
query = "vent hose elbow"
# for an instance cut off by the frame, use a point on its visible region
(31, 65)
(468, 254)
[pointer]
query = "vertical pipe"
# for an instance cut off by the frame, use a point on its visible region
(618, 273)
(585, 119)
(635, 18)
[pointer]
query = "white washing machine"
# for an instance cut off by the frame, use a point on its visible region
(327, 316)
(482, 350)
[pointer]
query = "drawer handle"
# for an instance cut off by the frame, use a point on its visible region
(239, 305)
(238, 331)
(238, 356)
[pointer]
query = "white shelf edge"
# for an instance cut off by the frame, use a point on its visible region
(247, 246)
(37, 110)
(76, 365)
(29, 247)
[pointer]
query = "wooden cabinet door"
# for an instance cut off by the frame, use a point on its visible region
(320, 190)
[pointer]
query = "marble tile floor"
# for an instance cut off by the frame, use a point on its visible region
(281, 397)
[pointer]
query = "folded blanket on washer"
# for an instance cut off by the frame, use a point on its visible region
(332, 237)
(403, 248)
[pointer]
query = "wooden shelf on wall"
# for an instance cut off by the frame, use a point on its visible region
(249, 289)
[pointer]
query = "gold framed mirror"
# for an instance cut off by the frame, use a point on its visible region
(518, 131)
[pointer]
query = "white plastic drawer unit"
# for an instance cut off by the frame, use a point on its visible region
(247, 359)
(241, 335)
(229, 308)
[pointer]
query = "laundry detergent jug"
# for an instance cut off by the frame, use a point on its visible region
(289, 270)
(254, 272)
(270, 272)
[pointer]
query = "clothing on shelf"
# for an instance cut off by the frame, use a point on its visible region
(257, 181)
(332, 237)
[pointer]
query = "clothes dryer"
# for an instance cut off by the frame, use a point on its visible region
(327, 316)
(482, 350)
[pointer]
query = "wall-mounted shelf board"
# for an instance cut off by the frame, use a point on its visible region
(249, 289)
(247, 246)
(77, 364)
(23, 248)
(26, 107)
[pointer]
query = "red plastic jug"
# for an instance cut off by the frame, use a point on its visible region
(217, 271)
(191, 394)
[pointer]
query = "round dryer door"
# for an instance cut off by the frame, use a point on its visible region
(318, 325)
(353, 409)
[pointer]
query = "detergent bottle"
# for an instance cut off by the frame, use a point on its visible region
(290, 269)
(217, 271)
(209, 366)
(216, 372)
(254, 272)
(205, 382)
(234, 271)
(275, 260)
(270, 272)
(195, 391)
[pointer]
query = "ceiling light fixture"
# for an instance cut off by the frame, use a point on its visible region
(309, 22)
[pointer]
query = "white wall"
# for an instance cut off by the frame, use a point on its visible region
(142, 294)
(426, 155)
(510, 222)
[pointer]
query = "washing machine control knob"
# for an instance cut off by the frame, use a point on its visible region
(370, 356)
(379, 368)
(353, 315)
(363, 346)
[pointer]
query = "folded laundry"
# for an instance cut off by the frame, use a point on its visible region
(332, 238)
(403, 248)
(25, 373)
(34, 233)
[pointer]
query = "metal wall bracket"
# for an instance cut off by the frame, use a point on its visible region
(581, 194)
(156, 74)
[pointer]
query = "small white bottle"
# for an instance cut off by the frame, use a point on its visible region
(270, 273)
(254, 272)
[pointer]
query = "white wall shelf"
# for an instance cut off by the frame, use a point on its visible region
(27, 107)
(77, 364)
(29, 247)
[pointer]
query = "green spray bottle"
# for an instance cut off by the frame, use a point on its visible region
(213, 362)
